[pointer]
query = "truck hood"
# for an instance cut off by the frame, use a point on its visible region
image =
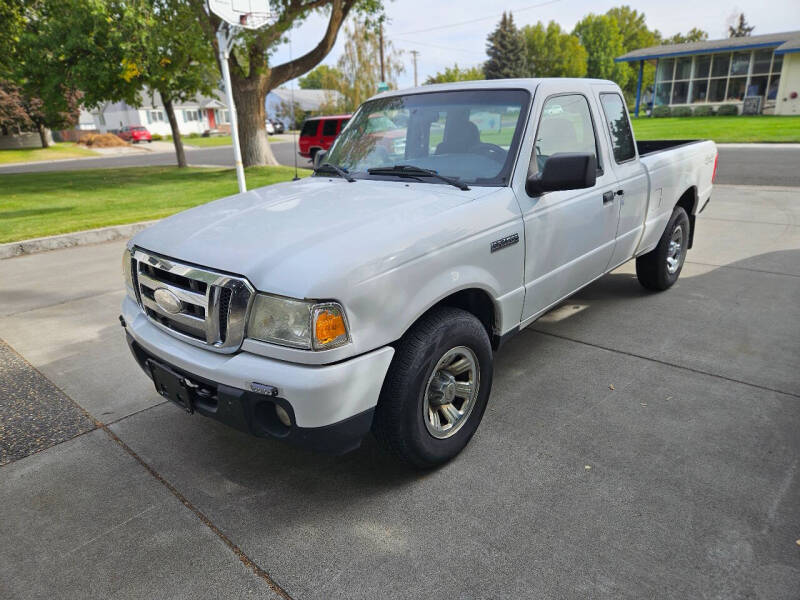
(295, 238)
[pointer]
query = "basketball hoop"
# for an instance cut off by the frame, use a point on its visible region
(249, 14)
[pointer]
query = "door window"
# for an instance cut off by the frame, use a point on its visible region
(618, 124)
(329, 127)
(565, 126)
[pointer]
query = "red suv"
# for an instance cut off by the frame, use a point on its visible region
(134, 134)
(318, 134)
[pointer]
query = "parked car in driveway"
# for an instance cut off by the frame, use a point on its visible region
(135, 134)
(269, 126)
(318, 133)
(277, 125)
(372, 296)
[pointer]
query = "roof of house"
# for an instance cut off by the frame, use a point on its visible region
(788, 41)
(307, 99)
(152, 99)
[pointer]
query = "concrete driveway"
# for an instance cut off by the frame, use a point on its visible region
(636, 445)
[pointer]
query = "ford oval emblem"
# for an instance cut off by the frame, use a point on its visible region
(167, 301)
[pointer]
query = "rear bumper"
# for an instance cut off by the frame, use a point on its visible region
(330, 406)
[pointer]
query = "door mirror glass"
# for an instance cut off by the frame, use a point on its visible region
(564, 171)
(319, 158)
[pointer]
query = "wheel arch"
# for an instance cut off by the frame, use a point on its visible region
(688, 201)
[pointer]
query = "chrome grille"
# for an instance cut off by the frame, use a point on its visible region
(209, 308)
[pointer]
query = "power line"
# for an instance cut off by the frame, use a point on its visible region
(416, 43)
(495, 16)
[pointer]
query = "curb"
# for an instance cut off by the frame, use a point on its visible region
(69, 240)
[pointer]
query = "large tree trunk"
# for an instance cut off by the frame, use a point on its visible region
(249, 96)
(176, 132)
(43, 135)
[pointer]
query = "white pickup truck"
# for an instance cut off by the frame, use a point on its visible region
(370, 296)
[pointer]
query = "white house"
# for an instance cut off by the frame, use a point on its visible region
(310, 101)
(197, 115)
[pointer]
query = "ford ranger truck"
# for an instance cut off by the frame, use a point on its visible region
(371, 295)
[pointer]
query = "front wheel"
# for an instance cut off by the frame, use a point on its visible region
(659, 269)
(436, 390)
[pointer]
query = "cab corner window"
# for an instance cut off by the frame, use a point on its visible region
(329, 127)
(565, 126)
(619, 126)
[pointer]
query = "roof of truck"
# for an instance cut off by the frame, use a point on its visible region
(491, 84)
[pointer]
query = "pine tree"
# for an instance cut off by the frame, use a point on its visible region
(742, 29)
(506, 49)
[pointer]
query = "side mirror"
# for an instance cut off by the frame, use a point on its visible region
(319, 158)
(564, 171)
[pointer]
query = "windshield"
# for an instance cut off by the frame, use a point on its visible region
(470, 135)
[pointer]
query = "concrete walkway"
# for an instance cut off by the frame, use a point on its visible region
(683, 481)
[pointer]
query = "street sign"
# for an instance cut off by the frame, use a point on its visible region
(246, 14)
(383, 87)
(250, 14)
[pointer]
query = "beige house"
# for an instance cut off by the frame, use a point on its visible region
(726, 71)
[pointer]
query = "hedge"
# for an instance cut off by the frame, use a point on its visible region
(728, 109)
(662, 111)
(681, 111)
(704, 111)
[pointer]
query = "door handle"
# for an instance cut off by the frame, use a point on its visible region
(608, 197)
(620, 192)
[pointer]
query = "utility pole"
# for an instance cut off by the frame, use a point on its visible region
(415, 53)
(380, 37)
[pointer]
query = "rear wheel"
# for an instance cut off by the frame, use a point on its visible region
(660, 268)
(436, 390)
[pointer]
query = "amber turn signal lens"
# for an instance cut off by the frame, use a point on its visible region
(329, 326)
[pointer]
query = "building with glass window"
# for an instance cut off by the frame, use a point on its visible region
(725, 72)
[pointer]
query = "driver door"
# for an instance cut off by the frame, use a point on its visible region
(569, 235)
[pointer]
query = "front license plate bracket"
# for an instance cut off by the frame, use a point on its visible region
(172, 386)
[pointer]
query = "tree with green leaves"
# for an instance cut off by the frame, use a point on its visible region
(177, 66)
(635, 34)
(360, 65)
(456, 73)
(741, 29)
(601, 37)
(321, 78)
(506, 49)
(693, 35)
(252, 74)
(552, 52)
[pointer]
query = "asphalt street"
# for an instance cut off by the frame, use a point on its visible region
(762, 164)
(636, 445)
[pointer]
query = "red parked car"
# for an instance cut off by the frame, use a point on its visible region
(135, 134)
(318, 134)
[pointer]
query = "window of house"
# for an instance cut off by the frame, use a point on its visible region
(191, 115)
(665, 69)
(702, 66)
(716, 90)
(699, 90)
(719, 67)
(736, 88)
(619, 126)
(740, 63)
(761, 61)
(680, 92)
(683, 68)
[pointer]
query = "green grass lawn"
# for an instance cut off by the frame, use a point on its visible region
(40, 204)
(762, 128)
(55, 151)
(207, 142)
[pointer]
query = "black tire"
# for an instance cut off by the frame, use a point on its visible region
(652, 268)
(399, 424)
(313, 153)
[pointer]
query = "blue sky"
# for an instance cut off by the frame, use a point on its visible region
(465, 44)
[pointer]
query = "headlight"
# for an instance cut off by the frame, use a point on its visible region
(127, 272)
(297, 323)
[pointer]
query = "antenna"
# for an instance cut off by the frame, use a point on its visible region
(294, 112)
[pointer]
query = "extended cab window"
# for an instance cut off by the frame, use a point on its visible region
(329, 127)
(619, 126)
(565, 126)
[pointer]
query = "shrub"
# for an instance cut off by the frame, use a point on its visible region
(728, 109)
(194, 134)
(157, 137)
(662, 111)
(101, 140)
(681, 111)
(704, 111)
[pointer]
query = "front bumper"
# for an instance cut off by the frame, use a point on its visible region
(330, 406)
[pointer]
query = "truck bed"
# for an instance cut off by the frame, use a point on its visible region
(651, 146)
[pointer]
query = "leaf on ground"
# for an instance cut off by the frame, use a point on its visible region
(611, 387)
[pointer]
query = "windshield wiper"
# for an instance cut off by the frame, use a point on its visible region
(412, 171)
(338, 170)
